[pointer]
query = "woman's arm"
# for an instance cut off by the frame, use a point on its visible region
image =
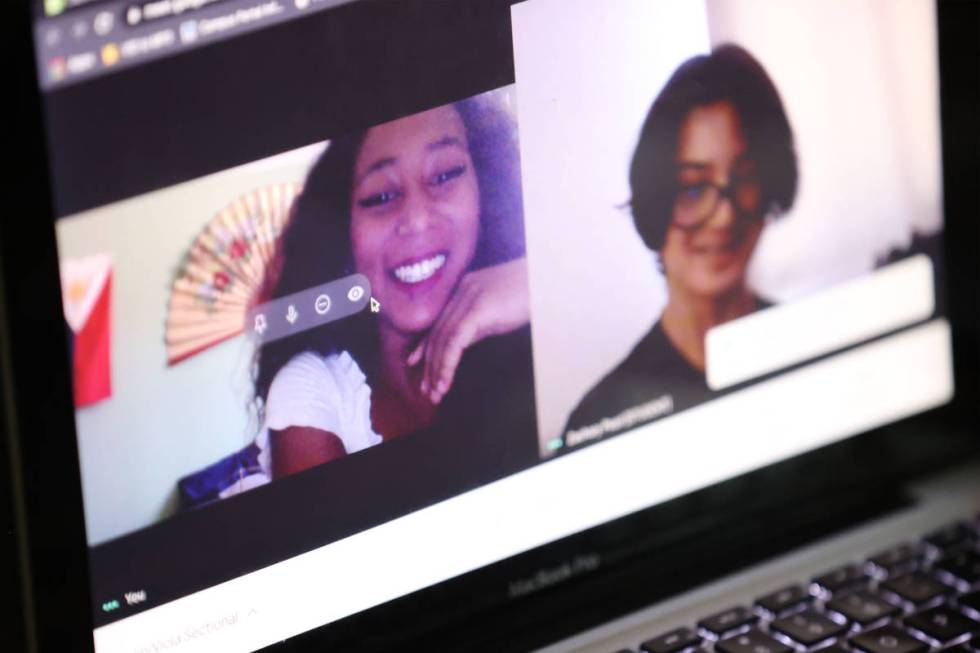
(488, 302)
(297, 448)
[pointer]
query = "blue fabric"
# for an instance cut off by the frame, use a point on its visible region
(206, 485)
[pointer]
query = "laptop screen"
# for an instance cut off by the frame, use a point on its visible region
(363, 296)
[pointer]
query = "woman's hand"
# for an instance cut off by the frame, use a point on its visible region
(488, 302)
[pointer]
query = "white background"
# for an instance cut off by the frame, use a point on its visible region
(859, 82)
(586, 74)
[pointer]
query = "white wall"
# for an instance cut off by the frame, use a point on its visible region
(859, 80)
(160, 422)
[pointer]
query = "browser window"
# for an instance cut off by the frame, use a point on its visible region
(466, 277)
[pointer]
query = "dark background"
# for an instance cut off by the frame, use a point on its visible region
(270, 91)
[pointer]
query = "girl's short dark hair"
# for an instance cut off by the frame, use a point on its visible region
(315, 247)
(728, 73)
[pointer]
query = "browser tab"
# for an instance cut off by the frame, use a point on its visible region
(128, 33)
(142, 12)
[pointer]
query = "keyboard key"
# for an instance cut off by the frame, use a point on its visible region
(752, 641)
(807, 627)
(833, 648)
(863, 608)
(676, 640)
(897, 557)
(971, 600)
(841, 578)
(964, 565)
(729, 619)
(888, 639)
(951, 537)
(942, 623)
(916, 587)
(786, 598)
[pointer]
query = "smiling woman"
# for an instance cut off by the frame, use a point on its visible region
(714, 160)
(427, 207)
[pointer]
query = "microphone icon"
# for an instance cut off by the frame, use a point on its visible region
(292, 314)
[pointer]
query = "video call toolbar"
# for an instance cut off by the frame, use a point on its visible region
(311, 308)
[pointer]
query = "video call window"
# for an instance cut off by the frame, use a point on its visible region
(735, 200)
(426, 209)
(691, 227)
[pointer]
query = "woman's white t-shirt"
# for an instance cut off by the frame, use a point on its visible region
(329, 393)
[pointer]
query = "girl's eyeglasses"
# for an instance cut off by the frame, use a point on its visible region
(695, 203)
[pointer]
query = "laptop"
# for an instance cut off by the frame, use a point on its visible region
(479, 325)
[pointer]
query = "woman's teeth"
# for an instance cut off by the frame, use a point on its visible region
(418, 272)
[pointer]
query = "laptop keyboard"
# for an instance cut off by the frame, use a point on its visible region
(916, 597)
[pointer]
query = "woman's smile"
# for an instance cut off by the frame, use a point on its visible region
(726, 248)
(415, 215)
(711, 258)
(416, 271)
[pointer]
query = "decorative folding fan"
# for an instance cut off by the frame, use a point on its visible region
(220, 275)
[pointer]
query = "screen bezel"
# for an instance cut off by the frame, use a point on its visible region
(45, 478)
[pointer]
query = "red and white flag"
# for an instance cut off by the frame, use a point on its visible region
(86, 290)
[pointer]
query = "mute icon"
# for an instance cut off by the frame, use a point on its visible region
(292, 314)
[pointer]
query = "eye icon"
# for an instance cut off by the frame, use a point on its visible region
(355, 293)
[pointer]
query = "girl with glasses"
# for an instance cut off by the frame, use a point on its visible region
(715, 160)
